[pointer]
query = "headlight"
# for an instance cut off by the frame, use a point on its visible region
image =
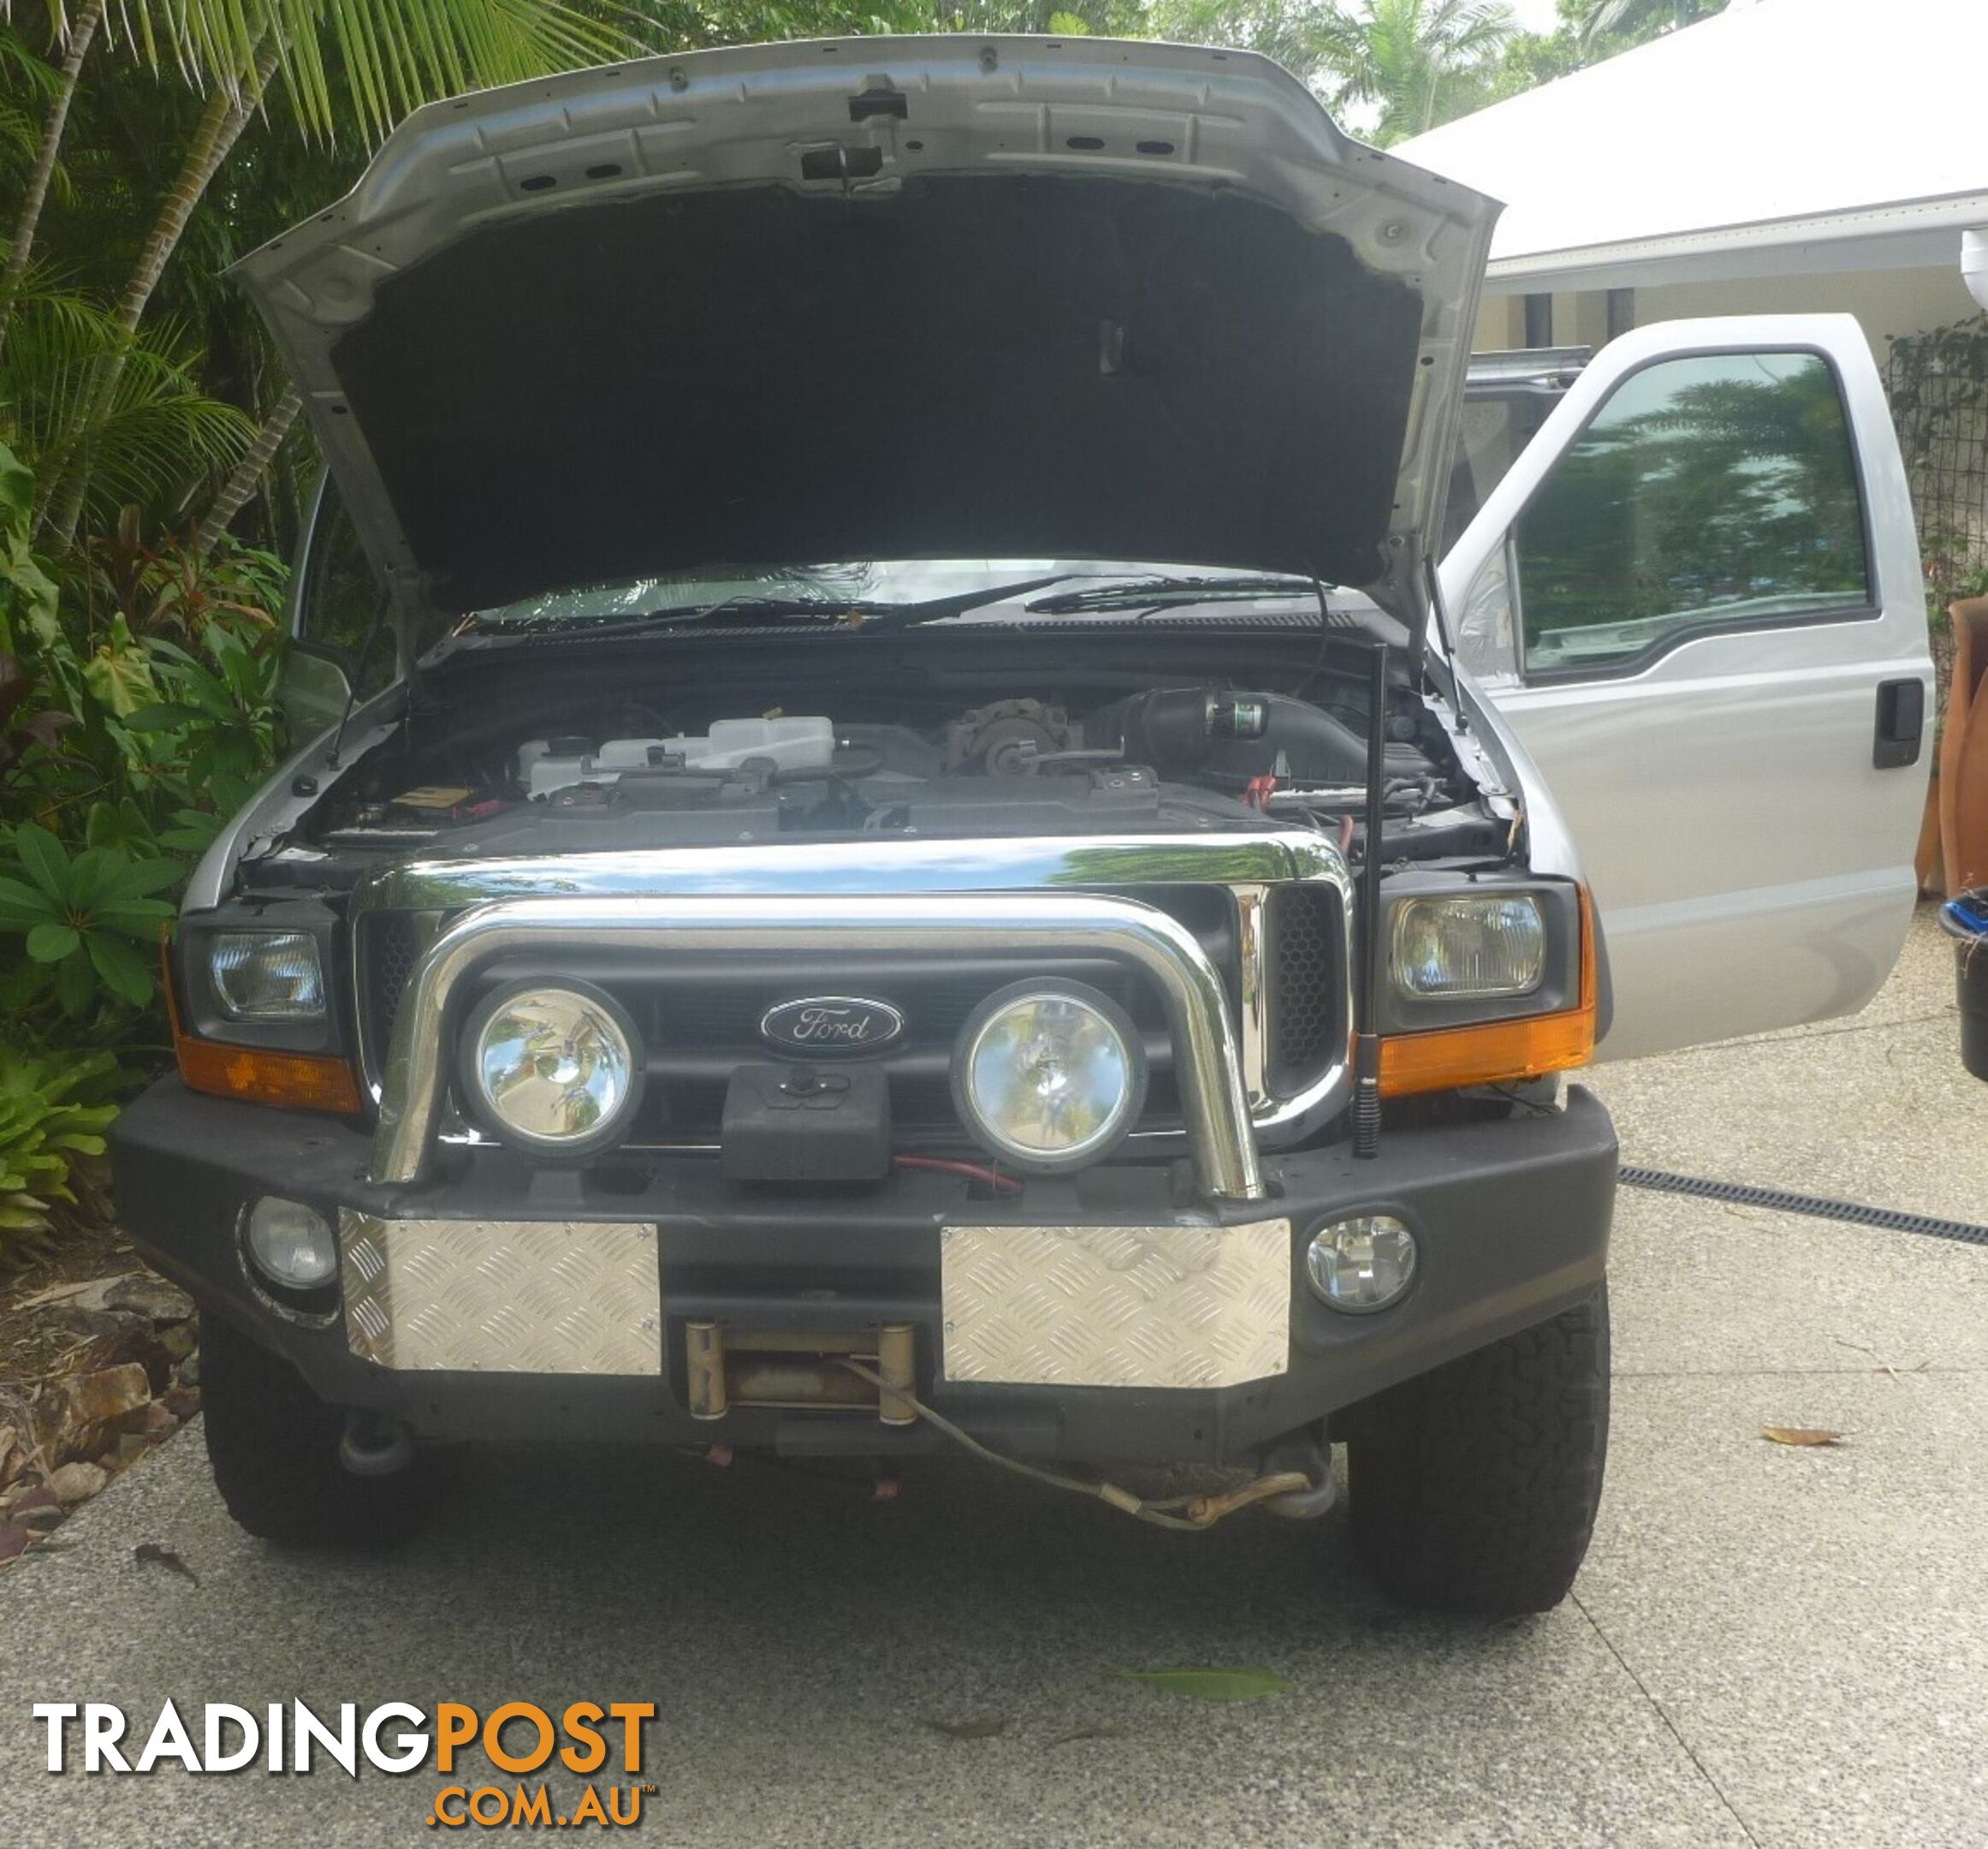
(290, 1244)
(553, 1068)
(267, 976)
(1468, 947)
(1050, 1076)
(1362, 1264)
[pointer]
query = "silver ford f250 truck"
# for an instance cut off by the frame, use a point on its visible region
(904, 839)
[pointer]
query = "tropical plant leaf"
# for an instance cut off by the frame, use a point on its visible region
(22, 906)
(42, 858)
(133, 879)
(75, 985)
(124, 973)
(27, 594)
(156, 433)
(120, 673)
(50, 942)
(369, 62)
(53, 1110)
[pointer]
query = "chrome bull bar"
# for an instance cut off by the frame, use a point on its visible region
(1208, 1068)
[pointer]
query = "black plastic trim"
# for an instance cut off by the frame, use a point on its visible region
(200, 1006)
(1513, 1213)
(1558, 990)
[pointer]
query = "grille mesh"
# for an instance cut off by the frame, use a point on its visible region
(1304, 981)
(392, 949)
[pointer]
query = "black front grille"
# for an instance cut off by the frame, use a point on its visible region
(726, 1013)
(1306, 985)
(700, 1022)
(389, 948)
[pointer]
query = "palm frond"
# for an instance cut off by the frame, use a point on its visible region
(393, 56)
(28, 84)
(29, 78)
(153, 439)
(1604, 19)
(368, 62)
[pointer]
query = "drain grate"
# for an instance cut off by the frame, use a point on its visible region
(1816, 1206)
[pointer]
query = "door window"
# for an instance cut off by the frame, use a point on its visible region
(1720, 489)
(1497, 426)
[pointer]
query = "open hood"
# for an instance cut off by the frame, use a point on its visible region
(883, 297)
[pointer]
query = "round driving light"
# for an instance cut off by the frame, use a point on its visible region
(553, 1069)
(1049, 1077)
(1362, 1264)
(290, 1244)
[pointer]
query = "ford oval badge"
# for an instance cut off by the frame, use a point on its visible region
(831, 1024)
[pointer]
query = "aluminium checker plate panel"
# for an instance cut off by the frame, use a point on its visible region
(1116, 1307)
(518, 1296)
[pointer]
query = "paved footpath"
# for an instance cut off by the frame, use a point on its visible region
(1769, 1646)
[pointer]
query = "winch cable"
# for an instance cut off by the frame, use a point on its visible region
(1185, 1511)
(1814, 1206)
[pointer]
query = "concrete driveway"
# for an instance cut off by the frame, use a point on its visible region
(1769, 1646)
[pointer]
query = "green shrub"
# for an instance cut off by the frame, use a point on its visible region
(88, 920)
(137, 709)
(54, 1109)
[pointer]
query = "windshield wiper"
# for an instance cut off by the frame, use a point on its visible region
(747, 610)
(1158, 594)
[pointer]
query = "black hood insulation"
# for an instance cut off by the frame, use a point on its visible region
(968, 366)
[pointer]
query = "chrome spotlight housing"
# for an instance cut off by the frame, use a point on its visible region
(554, 1067)
(1049, 1076)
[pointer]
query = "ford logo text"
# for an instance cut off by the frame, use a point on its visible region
(831, 1024)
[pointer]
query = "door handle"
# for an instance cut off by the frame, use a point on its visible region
(1901, 723)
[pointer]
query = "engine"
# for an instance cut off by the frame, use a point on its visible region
(1184, 759)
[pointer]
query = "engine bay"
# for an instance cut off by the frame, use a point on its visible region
(716, 742)
(1188, 758)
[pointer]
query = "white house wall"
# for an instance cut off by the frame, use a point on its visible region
(1885, 301)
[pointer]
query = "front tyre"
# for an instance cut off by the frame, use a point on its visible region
(273, 1445)
(1474, 1488)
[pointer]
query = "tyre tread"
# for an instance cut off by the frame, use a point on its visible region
(273, 1447)
(1475, 1487)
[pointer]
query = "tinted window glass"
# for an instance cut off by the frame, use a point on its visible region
(343, 598)
(1496, 425)
(1719, 488)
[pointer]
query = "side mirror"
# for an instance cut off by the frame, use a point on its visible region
(315, 689)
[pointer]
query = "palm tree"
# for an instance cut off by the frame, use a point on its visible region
(358, 62)
(156, 435)
(74, 35)
(1421, 61)
(1638, 19)
(246, 475)
(1285, 30)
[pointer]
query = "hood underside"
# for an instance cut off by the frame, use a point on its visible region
(882, 299)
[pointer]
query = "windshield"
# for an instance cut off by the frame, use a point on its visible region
(870, 584)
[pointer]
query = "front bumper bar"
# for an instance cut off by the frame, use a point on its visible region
(1207, 1061)
(1512, 1218)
